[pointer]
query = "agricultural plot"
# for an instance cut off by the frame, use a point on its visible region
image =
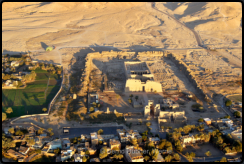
(236, 98)
(31, 99)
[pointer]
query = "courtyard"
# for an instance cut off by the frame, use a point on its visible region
(201, 149)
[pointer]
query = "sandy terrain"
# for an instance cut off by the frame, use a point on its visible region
(78, 28)
(201, 149)
(27, 24)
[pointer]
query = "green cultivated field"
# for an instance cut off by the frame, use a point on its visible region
(236, 98)
(32, 98)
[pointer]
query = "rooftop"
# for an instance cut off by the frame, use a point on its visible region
(114, 142)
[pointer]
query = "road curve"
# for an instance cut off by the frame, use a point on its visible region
(199, 42)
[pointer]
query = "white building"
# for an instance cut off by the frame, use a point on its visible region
(133, 155)
(228, 122)
(15, 63)
(237, 134)
(66, 154)
(140, 78)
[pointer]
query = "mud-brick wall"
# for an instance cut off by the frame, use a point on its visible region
(187, 72)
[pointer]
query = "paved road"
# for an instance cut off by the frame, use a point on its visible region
(182, 158)
(222, 103)
(30, 157)
(212, 159)
(198, 39)
(76, 132)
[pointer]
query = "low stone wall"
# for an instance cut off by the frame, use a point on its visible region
(7, 87)
(136, 119)
(231, 153)
(53, 100)
(187, 72)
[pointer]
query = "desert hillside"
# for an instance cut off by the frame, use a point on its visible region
(125, 24)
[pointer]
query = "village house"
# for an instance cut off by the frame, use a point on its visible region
(228, 122)
(38, 143)
(45, 149)
(24, 150)
(87, 145)
(78, 157)
(114, 144)
(133, 155)
(55, 144)
(159, 158)
(94, 138)
(66, 154)
(237, 134)
(104, 138)
(11, 83)
(94, 160)
(188, 139)
(4, 59)
(31, 131)
(83, 138)
(15, 154)
(126, 136)
(15, 63)
(222, 126)
(207, 121)
(107, 160)
(6, 130)
(168, 103)
(155, 140)
(7, 70)
(92, 150)
(65, 143)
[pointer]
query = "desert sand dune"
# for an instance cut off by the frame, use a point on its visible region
(26, 24)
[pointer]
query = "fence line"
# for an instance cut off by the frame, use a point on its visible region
(51, 103)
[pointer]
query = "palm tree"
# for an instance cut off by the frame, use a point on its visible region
(40, 131)
(223, 146)
(192, 154)
(190, 159)
(168, 158)
(208, 153)
(223, 159)
(146, 158)
(177, 157)
(136, 97)
(49, 130)
(91, 109)
(44, 109)
(94, 104)
(116, 156)
(100, 131)
(180, 129)
(175, 130)
(117, 96)
(129, 100)
(148, 124)
(227, 150)
(154, 154)
(9, 110)
(11, 130)
(84, 159)
(120, 156)
(4, 116)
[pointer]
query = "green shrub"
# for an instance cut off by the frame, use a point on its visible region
(228, 103)
(200, 120)
(237, 114)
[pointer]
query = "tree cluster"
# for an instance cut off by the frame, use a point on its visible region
(225, 142)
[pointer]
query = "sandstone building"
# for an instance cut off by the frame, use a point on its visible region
(140, 78)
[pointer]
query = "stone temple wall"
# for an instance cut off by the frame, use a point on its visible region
(188, 73)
